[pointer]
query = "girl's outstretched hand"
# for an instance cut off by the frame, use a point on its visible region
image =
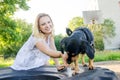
(64, 57)
(64, 66)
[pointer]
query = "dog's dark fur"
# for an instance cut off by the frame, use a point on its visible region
(79, 41)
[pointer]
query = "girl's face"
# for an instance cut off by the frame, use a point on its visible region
(45, 25)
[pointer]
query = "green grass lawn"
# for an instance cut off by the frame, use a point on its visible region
(105, 56)
(5, 62)
(99, 56)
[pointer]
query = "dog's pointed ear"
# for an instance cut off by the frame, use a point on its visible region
(68, 31)
(62, 44)
(89, 50)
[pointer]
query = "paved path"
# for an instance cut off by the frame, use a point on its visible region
(112, 65)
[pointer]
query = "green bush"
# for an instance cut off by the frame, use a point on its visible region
(99, 44)
(58, 38)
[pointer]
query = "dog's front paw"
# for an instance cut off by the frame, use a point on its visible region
(91, 67)
(85, 65)
(75, 73)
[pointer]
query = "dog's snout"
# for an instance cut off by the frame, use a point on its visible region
(73, 58)
(69, 62)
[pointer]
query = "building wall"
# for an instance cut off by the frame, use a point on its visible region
(111, 9)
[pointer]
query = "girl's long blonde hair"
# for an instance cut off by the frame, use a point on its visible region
(36, 32)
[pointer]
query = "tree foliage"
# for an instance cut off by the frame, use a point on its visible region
(8, 7)
(9, 27)
(108, 28)
(12, 39)
(75, 22)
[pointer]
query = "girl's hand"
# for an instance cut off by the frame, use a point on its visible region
(64, 57)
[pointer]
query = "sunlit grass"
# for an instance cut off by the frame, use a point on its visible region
(105, 56)
(99, 56)
(5, 62)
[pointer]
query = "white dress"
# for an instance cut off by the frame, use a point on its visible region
(29, 56)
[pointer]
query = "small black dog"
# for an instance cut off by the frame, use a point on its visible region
(79, 41)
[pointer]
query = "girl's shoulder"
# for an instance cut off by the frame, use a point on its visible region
(36, 39)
